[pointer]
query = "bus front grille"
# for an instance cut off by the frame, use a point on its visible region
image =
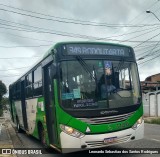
(107, 120)
(94, 144)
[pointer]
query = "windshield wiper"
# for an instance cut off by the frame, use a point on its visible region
(85, 67)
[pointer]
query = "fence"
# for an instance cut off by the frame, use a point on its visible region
(151, 104)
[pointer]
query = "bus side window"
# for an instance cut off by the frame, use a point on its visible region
(14, 92)
(37, 82)
(28, 88)
(18, 90)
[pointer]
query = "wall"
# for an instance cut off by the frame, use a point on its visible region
(151, 104)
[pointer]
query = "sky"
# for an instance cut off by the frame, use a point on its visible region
(28, 28)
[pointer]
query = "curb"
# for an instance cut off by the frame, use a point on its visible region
(8, 144)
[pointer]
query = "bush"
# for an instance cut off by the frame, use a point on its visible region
(153, 121)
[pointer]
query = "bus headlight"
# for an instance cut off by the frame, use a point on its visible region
(137, 124)
(71, 131)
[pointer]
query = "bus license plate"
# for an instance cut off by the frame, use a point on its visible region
(110, 140)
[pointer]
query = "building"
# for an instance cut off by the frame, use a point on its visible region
(153, 78)
(151, 83)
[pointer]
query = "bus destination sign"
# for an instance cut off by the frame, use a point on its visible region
(90, 49)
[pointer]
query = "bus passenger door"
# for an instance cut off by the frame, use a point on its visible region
(49, 103)
(24, 114)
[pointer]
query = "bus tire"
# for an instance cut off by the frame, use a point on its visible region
(19, 130)
(41, 133)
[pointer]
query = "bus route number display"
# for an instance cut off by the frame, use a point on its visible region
(89, 49)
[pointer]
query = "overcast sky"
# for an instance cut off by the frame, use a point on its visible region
(28, 28)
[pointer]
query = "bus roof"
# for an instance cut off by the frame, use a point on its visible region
(49, 52)
(81, 42)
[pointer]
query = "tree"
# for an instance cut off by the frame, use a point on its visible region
(3, 91)
(5, 102)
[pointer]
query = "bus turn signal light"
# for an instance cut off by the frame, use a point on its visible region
(137, 124)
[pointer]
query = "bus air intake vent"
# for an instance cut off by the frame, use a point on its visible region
(100, 143)
(107, 120)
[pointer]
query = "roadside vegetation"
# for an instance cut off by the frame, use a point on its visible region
(3, 91)
(152, 120)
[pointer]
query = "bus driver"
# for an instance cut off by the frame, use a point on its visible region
(107, 87)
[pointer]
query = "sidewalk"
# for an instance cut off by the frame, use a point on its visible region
(5, 140)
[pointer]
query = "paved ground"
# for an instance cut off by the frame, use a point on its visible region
(5, 141)
(9, 138)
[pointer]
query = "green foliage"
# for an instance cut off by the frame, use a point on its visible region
(3, 90)
(153, 121)
(4, 102)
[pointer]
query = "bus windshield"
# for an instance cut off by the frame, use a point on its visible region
(98, 84)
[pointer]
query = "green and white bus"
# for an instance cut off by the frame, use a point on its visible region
(81, 95)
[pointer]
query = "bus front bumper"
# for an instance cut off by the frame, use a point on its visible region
(72, 144)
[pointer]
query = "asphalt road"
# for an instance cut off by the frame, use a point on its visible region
(151, 140)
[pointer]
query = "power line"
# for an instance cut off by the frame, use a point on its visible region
(149, 60)
(26, 37)
(140, 35)
(70, 22)
(144, 54)
(136, 17)
(145, 47)
(147, 40)
(150, 51)
(132, 32)
(74, 35)
(154, 53)
(8, 75)
(24, 29)
(58, 33)
(142, 12)
(23, 46)
(46, 29)
(141, 47)
(55, 33)
(145, 16)
(15, 68)
(77, 35)
(21, 57)
(71, 19)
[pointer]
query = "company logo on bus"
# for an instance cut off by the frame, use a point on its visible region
(108, 112)
(123, 125)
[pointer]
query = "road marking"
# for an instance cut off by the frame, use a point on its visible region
(152, 139)
(155, 140)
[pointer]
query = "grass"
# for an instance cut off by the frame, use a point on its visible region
(152, 120)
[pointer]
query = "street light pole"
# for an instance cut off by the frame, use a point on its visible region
(148, 11)
(141, 58)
